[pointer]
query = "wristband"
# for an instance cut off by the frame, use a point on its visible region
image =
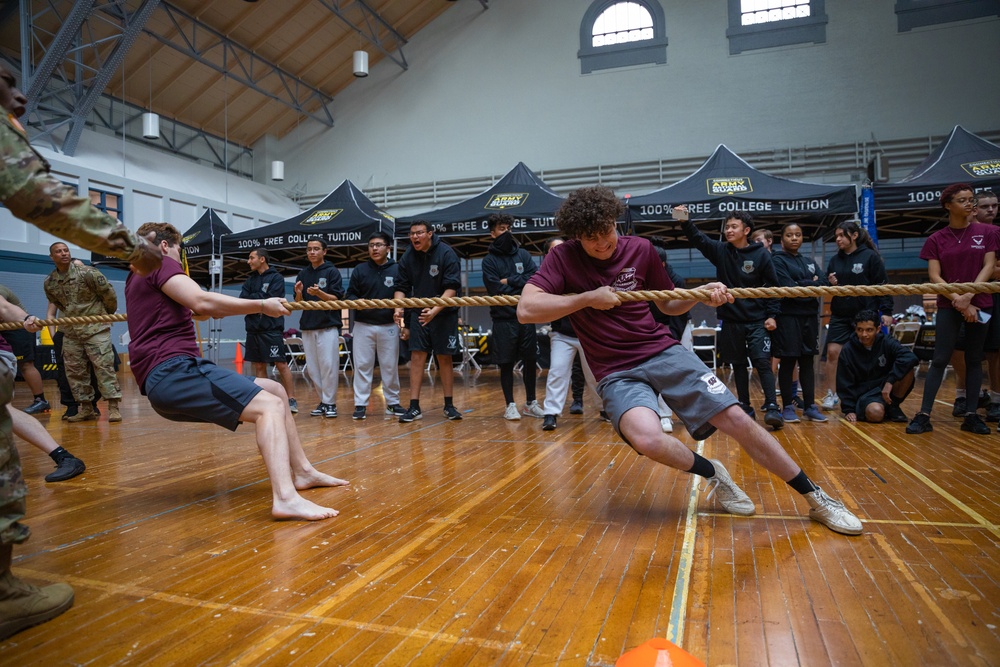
(262, 306)
(26, 318)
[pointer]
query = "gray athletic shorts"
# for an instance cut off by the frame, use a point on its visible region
(687, 385)
(186, 389)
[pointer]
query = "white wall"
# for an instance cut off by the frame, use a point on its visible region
(487, 88)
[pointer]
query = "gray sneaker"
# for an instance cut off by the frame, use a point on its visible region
(832, 513)
(731, 497)
(293, 406)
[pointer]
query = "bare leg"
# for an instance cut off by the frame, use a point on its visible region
(875, 413)
(31, 430)
(641, 427)
(447, 374)
(32, 377)
(269, 412)
(417, 361)
(758, 443)
(830, 370)
(285, 376)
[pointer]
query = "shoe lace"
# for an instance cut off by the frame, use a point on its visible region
(711, 484)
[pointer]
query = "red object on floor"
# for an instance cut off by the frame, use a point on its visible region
(658, 653)
(239, 356)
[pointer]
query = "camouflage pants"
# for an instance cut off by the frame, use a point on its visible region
(12, 487)
(96, 349)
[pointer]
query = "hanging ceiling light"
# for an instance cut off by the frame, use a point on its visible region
(277, 170)
(360, 64)
(150, 120)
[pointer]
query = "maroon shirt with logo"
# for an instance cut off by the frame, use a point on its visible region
(622, 337)
(961, 256)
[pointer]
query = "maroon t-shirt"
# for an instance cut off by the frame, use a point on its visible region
(159, 327)
(961, 257)
(622, 337)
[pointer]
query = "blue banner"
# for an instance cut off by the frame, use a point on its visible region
(867, 209)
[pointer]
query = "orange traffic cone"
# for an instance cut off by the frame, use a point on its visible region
(658, 653)
(239, 357)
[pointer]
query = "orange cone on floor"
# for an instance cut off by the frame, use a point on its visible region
(658, 653)
(239, 357)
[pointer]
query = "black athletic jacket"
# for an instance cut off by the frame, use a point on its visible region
(328, 277)
(860, 370)
(429, 274)
(739, 267)
(798, 271)
(263, 286)
(862, 267)
(371, 281)
(506, 260)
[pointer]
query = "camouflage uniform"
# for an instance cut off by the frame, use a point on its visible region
(85, 291)
(12, 487)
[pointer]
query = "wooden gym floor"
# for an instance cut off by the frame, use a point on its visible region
(486, 542)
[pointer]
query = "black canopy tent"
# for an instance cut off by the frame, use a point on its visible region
(910, 208)
(520, 193)
(726, 183)
(345, 218)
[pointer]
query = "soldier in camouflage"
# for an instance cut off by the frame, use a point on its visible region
(32, 194)
(77, 291)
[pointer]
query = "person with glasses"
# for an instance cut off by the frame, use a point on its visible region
(429, 268)
(375, 333)
(321, 281)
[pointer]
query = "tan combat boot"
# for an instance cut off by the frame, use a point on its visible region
(113, 414)
(23, 605)
(86, 413)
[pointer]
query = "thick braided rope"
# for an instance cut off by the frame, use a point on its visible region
(644, 295)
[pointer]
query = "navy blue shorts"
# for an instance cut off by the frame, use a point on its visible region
(439, 337)
(186, 389)
(265, 347)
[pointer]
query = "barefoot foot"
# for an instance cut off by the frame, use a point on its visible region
(300, 508)
(312, 478)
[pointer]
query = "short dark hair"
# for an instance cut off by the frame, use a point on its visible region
(867, 316)
(421, 223)
(262, 253)
(547, 247)
(497, 219)
(589, 211)
(987, 194)
(742, 216)
(318, 239)
(52, 247)
(381, 236)
(949, 192)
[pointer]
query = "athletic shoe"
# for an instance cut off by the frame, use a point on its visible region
(453, 414)
(750, 411)
(812, 414)
(68, 468)
(533, 409)
(666, 425)
(789, 415)
(772, 416)
(23, 605)
(984, 400)
(360, 412)
(86, 414)
(549, 423)
(319, 411)
(576, 408)
(604, 417)
(293, 406)
(395, 409)
(798, 403)
(830, 401)
(411, 415)
(959, 409)
(993, 412)
(39, 406)
(895, 414)
(511, 414)
(920, 423)
(331, 412)
(70, 412)
(731, 497)
(832, 513)
(974, 424)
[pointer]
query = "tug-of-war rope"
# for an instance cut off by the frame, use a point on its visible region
(642, 295)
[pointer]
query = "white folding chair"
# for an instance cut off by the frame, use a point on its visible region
(345, 354)
(703, 340)
(296, 355)
(906, 333)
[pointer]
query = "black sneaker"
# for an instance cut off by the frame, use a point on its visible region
(331, 412)
(411, 415)
(549, 423)
(895, 414)
(798, 402)
(395, 409)
(750, 411)
(319, 411)
(921, 423)
(359, 412)
(772, 417)
(974, 424)
(604, 417)
(71, 411)
(993, 412)
(959, 409)
(39, 406)
(68, 468)
(452, 413)
(576, 408)
(984, 400)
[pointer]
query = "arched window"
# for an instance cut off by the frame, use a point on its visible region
(619, 34)
(760, 24)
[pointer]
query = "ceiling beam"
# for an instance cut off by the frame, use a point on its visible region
(369, 27)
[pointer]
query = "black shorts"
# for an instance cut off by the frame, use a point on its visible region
(186, 389)
(993, 333)
(875, 396)
(265, 347)
(796, 336)
(840, 329)
(23, 343)
(741, 340)
(513, 341)
(439, 337)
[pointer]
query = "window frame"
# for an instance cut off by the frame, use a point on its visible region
(645, 52)
(809, 29)
(912, 14)
(116, 212)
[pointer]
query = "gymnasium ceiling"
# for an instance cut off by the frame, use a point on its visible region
(231, 68)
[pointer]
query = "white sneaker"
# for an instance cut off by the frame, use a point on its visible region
(533, 409)
(666, 424)
(830, 401)
(731, 497)
(511, 413)
(832, 513)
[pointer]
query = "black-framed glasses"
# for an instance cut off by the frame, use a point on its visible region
(376, 245)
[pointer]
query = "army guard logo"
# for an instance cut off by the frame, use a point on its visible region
(319, 217)
(389, 282)
(748, 266)
(858, 269)
(322, 283)
(508, 200)
(715, 385)
(519, 267)
(434, 270)
(729, 186)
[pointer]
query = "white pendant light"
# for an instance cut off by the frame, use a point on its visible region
(277, 170)
(150, 125)
(360, 64)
